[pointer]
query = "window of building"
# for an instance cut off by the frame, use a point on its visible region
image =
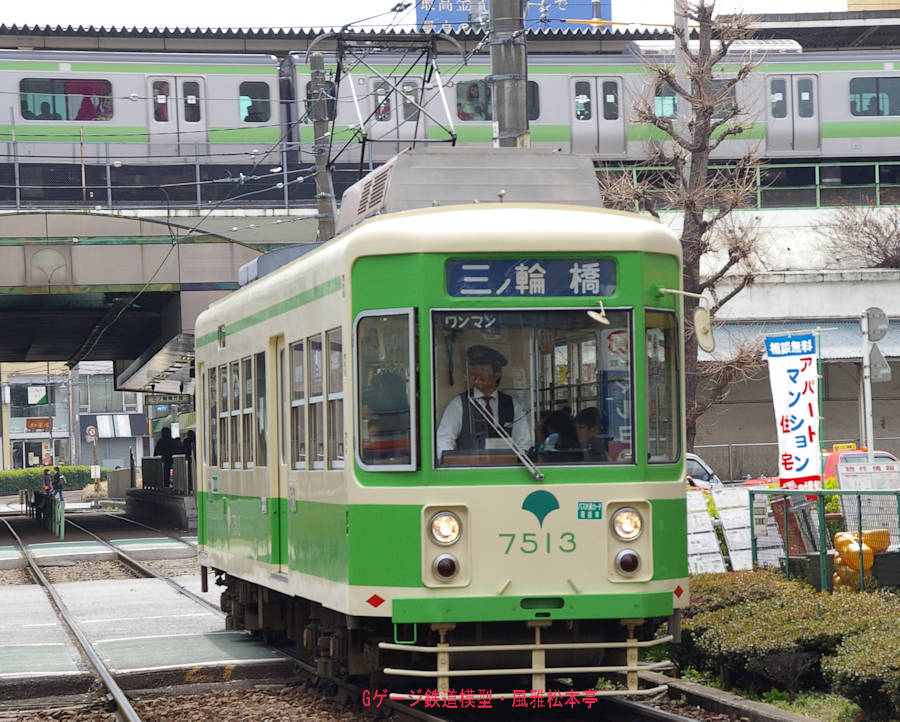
(191, 94)
(330, 99)
(261, 440)
(298, 406)
(254, 102)
(316, 381)
(875, 96)
(65, 99)
(335, 399)
(247, 412)
(383, 364)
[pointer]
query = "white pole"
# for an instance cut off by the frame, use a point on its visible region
(867, 389)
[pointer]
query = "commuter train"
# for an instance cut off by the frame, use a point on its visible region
(344, 506)
(133, 120)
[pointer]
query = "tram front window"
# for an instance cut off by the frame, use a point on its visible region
(553, 385)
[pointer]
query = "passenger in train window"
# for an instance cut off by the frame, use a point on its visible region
(46, 113)
(472, 106)
(26, 111)
(254, 114)
(589, 427)
(87, 111)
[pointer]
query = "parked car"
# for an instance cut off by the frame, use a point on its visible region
(700, 474)
(830, 459)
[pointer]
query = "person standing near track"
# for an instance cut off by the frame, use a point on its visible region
(59, 482)
(47, 481)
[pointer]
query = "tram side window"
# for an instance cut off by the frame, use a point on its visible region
(254, 102)
(335, 399)
(316, 399)
(383, 343)
(298, 406)
(778, 97)
(235, 379)
(663, 391)
(875, 96)
(261, 440)
(330, 99)
(213, 421)
(247, 411)
(223, 417)
(74, 99)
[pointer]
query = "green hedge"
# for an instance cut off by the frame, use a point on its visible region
(12, 481)
(760, 629)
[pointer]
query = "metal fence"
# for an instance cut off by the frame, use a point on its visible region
(857, 546)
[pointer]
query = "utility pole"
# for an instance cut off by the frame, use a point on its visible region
(319, 115)
(682, 36)
(509, 73)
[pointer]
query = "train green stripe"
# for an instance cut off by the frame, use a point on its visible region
(96, 132)
(332, 285)
(504, 608)
(28, 65)
(174, 69)
(265, 134)
(861, 129)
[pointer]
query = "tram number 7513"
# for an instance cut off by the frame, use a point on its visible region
(532, 543)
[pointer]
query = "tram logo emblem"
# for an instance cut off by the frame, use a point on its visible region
(540, 503)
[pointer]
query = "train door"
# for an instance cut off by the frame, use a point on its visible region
(396, 117)
(598, 124)
(793, 117)
(278, 445)
(177, 118)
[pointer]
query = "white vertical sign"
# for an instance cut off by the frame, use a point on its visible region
(793, 375)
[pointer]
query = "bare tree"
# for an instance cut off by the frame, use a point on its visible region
(677, 175)
(858, 237)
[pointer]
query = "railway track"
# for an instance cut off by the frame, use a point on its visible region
(123, 708)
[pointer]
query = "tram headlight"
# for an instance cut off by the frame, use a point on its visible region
(627, 524)
(445, 528)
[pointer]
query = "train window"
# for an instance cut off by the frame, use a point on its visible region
(473, 100)
(235, 378)
(247, 411)
(532, 100)
(316, 399)
(71, 99)
(726, 104)
(261, 440)
(383, 365)
(254, 101)
(298, 406)
(223, 416)
(583, 100)
(553, 384)
(663, 392)
(875, 96)
(409, 91)
(665, 104)
(778, 97)
(191, 94)
(382, 95)
(806, 101)
(212, 421)
(610, 100)
(161, 101)
(330, 102)
(335, 399)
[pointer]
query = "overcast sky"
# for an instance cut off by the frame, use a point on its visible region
(319, 13)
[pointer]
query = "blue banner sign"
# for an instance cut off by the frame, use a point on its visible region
(586, 277)
(449, 15)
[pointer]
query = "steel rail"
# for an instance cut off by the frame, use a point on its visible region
(121, 517)
(147, 572)
(125, 710)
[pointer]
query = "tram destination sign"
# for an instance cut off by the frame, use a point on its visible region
(531, 277)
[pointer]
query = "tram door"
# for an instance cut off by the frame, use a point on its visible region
(177, 116)
(596, 117)
(793, 116)
(396, 116)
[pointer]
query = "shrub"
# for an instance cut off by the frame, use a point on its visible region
(714, 591)
(14, 480)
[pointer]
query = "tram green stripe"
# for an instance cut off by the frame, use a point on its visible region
(492, 609)
(864, 128)
(669, 538)
(333, 285)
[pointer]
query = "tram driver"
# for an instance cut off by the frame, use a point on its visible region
(465, 428)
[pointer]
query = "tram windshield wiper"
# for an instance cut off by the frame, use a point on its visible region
(509, 440)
